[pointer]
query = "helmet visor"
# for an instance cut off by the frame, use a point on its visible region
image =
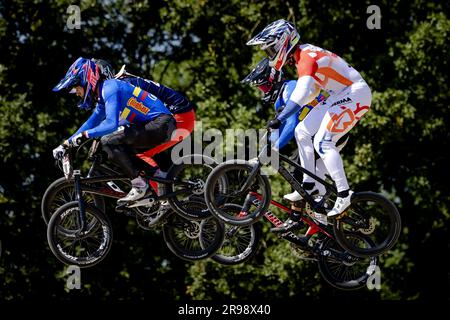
(67, 82)
(259, 74)
(71, 77)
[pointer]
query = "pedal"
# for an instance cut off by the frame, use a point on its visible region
(121, 207)
(303, 241)
(158, 219)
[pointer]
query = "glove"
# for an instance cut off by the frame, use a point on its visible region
(78, 139)
(58, 152)
(274, 124)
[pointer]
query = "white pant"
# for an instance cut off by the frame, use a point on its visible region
(321, 170)
(328, 122)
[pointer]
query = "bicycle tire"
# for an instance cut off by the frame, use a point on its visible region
(179, 205)
(335, 276)
(101, 221)
(181, 236)
(219, 172)
(391, 214)
(49, 206)
(232, 253)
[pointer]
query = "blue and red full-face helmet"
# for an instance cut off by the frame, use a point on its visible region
(267, 79)
(85, 73)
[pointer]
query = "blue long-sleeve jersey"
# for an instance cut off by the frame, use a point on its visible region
(287, 129)
(121, 103)
(172, 99)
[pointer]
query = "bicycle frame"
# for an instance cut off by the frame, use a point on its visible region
(317, 206)
(313, 228)
(111, 190)
(86, 186)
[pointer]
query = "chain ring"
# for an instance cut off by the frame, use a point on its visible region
(301, 253)
(143, 218)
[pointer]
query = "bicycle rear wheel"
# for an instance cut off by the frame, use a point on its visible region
(74, 246)
(373, 215)
(254, 201)
(189, 180)
(349, 273)
(182, 236)
(240, 243)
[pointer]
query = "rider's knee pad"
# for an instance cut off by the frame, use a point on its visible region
(322, 146)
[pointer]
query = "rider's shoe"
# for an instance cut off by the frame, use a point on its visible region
(292, 223)
(139, 188)
(343, 201)
(295, 196)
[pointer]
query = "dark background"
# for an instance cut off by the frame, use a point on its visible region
(198, 47)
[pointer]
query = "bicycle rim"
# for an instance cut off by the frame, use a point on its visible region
(373, 215)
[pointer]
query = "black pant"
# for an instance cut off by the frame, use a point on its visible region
(122, 146)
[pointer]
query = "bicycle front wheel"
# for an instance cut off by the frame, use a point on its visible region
(254, 201)
(189, 183)
(84, 248)
(62, 191)
(373, 215)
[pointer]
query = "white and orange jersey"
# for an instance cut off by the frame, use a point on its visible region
(330, 72)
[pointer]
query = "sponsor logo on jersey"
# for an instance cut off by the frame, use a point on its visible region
(342, 101)
(132, 102)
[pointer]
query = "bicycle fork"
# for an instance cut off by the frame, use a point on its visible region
(251, 178)
(81, 203)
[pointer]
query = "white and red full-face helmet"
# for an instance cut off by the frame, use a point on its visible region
(278, 39)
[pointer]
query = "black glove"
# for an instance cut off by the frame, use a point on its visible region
(274, 124)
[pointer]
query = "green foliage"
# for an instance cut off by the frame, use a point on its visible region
(198, 47)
